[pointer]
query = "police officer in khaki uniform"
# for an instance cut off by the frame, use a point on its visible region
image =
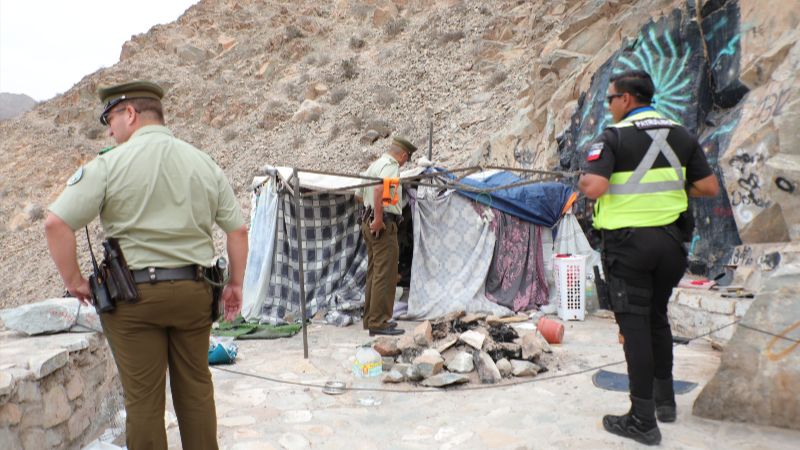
(380, 234)
(159, 196)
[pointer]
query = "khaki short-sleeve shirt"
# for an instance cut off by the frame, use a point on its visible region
(158, 195)
(384, 167)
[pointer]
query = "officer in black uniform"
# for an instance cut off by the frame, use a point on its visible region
(640, 171)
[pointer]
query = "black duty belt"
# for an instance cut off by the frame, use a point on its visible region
(391, 218)
(155, 274)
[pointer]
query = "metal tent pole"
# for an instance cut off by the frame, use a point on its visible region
(430, 139)
(298, 229)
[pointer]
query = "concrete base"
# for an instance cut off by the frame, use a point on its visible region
(693, 312)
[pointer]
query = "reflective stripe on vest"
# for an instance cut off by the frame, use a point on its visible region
(658, 146)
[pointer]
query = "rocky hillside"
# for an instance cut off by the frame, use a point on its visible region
(322, 84)
(12, 105)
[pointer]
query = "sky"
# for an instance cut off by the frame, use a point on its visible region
(46, 46)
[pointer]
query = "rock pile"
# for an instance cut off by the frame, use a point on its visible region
(462, 348)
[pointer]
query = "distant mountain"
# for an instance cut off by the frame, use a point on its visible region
(12, 105)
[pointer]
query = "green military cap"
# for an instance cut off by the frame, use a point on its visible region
(113, 95)
(405, 145)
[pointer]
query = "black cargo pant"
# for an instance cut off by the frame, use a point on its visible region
(642, 266)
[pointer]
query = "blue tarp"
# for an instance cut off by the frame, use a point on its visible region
(538, 203)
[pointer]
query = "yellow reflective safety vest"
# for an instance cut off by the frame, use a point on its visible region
(646, 196)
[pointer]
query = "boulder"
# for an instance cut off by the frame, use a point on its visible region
(758, 380)
(461, 363)
(423, 334)
(386, 346)
(409, 371)
(446, 343)
(532, 347)
(520, 368)
(51, 316)
(393, 376)
(429, 363)
(487, 370)
(445, 379)
(504, 367)
(316, 90)
(406, 342)
(309, 111)
(472, 338)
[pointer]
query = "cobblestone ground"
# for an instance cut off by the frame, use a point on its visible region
(562, 412)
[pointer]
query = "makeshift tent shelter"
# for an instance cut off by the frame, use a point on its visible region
(467, 254)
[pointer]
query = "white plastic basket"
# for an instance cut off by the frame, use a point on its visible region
(570, 277)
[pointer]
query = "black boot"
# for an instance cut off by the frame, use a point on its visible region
(664, 397)
(639, 424)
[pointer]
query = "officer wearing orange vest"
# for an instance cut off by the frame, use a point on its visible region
(640, 171)
(380, 234)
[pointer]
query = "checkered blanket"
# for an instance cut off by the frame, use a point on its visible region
(334, 257)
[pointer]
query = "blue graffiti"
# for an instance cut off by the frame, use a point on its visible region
(667, 66)
(720, 24)
(724, 129)
(730, 50)
(599, 126)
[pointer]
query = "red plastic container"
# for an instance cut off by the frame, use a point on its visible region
(551, 330)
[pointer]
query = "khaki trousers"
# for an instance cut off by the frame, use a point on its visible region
(379, 292)
(168, 326)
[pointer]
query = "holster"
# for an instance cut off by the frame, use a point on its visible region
(685, 225)
(103, 302)
(613, 293)
(601, 288)
(215, 276)
(619, 297)
(119, 280)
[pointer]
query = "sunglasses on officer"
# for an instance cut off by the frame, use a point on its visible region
(107, 111)
(611, 97)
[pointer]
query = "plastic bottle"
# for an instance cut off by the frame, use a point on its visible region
(592, 303)
(367, 368)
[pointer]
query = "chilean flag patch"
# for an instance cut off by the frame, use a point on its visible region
(594, 152)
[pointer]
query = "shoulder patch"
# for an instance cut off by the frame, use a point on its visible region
(75, 177)
(647, 124)
(595, 151)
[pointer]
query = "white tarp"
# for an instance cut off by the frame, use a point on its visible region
(264, 212)
(571, 239)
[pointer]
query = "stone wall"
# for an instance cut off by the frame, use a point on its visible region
(57, 391)
(695, 312)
